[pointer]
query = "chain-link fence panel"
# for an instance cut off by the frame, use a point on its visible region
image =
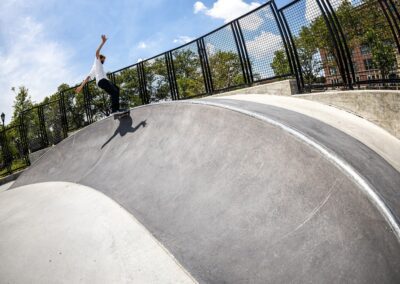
(53, 122)
(264, 44)
(128, 82)
(13, 155)
(374, 53)
(33, 130)
(188, 72)
(74, 110)
(315, 48)
(97, 102)
(224, 59)
(156, 75)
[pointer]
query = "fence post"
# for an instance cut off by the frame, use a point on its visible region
(42, 127)
(297, 65)
(337, 43)
(205, 66)
(142, 83)
(24, 138)
(63, 113)
(286, 41)
(171, 76)
(243, 56)
(342, 38)
(390, 12)
(87, 103)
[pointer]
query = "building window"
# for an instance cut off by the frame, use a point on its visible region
(365, 50)
(330, 57)
(355, 67)
(368, 64)
(332, 71)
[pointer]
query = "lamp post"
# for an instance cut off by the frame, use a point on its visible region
(3, 117)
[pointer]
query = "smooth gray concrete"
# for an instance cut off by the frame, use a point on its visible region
(33, 157)
(378, 173)
(368, 133)
(381, 107)
(278, 88)
(6, 186)
(60, 232)
(10, 178)
(233, 198)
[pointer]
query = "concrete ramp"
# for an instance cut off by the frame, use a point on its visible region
(233, 198)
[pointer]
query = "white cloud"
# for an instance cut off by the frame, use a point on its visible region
(30, 58)
(313, 11)
(226, 10)
(251, 22)
(183, 39)
(142, 45)
(199, 7)
(264, 45)
(211, 50)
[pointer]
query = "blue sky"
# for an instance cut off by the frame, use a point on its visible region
(44, 43)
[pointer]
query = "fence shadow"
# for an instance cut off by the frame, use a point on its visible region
(124, 127)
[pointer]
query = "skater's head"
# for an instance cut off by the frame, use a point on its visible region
(102, 58)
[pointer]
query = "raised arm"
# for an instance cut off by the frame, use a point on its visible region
(79, 89)
(103, 41)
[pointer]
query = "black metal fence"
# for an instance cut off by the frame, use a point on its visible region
(13, 151)
(322, 44)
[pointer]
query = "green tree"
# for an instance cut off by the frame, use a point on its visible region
(226, 69)
(280, 64)
(22, 102)
(383, 55)
(157, 79)
(308, 52)
(128, 82)
(188, 73)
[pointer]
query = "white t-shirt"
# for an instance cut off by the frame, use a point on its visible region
(97, 71)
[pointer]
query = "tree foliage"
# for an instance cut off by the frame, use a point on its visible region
(280, 64)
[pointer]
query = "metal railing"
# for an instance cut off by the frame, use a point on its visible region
(322, 44)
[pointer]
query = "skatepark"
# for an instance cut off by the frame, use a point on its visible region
(265, 151)
(213, 190)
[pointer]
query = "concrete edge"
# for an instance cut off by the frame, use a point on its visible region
(326, 112)
(366, 188)
(133, 218)
(348, 91)
(11, 177)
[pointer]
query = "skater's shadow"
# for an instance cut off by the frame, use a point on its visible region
(124, 127)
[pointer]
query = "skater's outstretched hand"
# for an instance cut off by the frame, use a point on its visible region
(103, 41)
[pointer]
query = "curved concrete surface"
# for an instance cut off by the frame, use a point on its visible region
(60, 232)
(233, 198)
(368, 133)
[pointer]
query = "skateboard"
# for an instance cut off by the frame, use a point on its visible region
(121, 114)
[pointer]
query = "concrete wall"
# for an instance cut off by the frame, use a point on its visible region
(279, 88)
(378, 106)
(33, 157)
(10, 178)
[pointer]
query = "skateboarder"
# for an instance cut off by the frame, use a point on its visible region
(97, 72)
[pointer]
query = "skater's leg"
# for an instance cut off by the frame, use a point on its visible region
(113, 91)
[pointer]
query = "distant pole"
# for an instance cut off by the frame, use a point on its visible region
(3, 117)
